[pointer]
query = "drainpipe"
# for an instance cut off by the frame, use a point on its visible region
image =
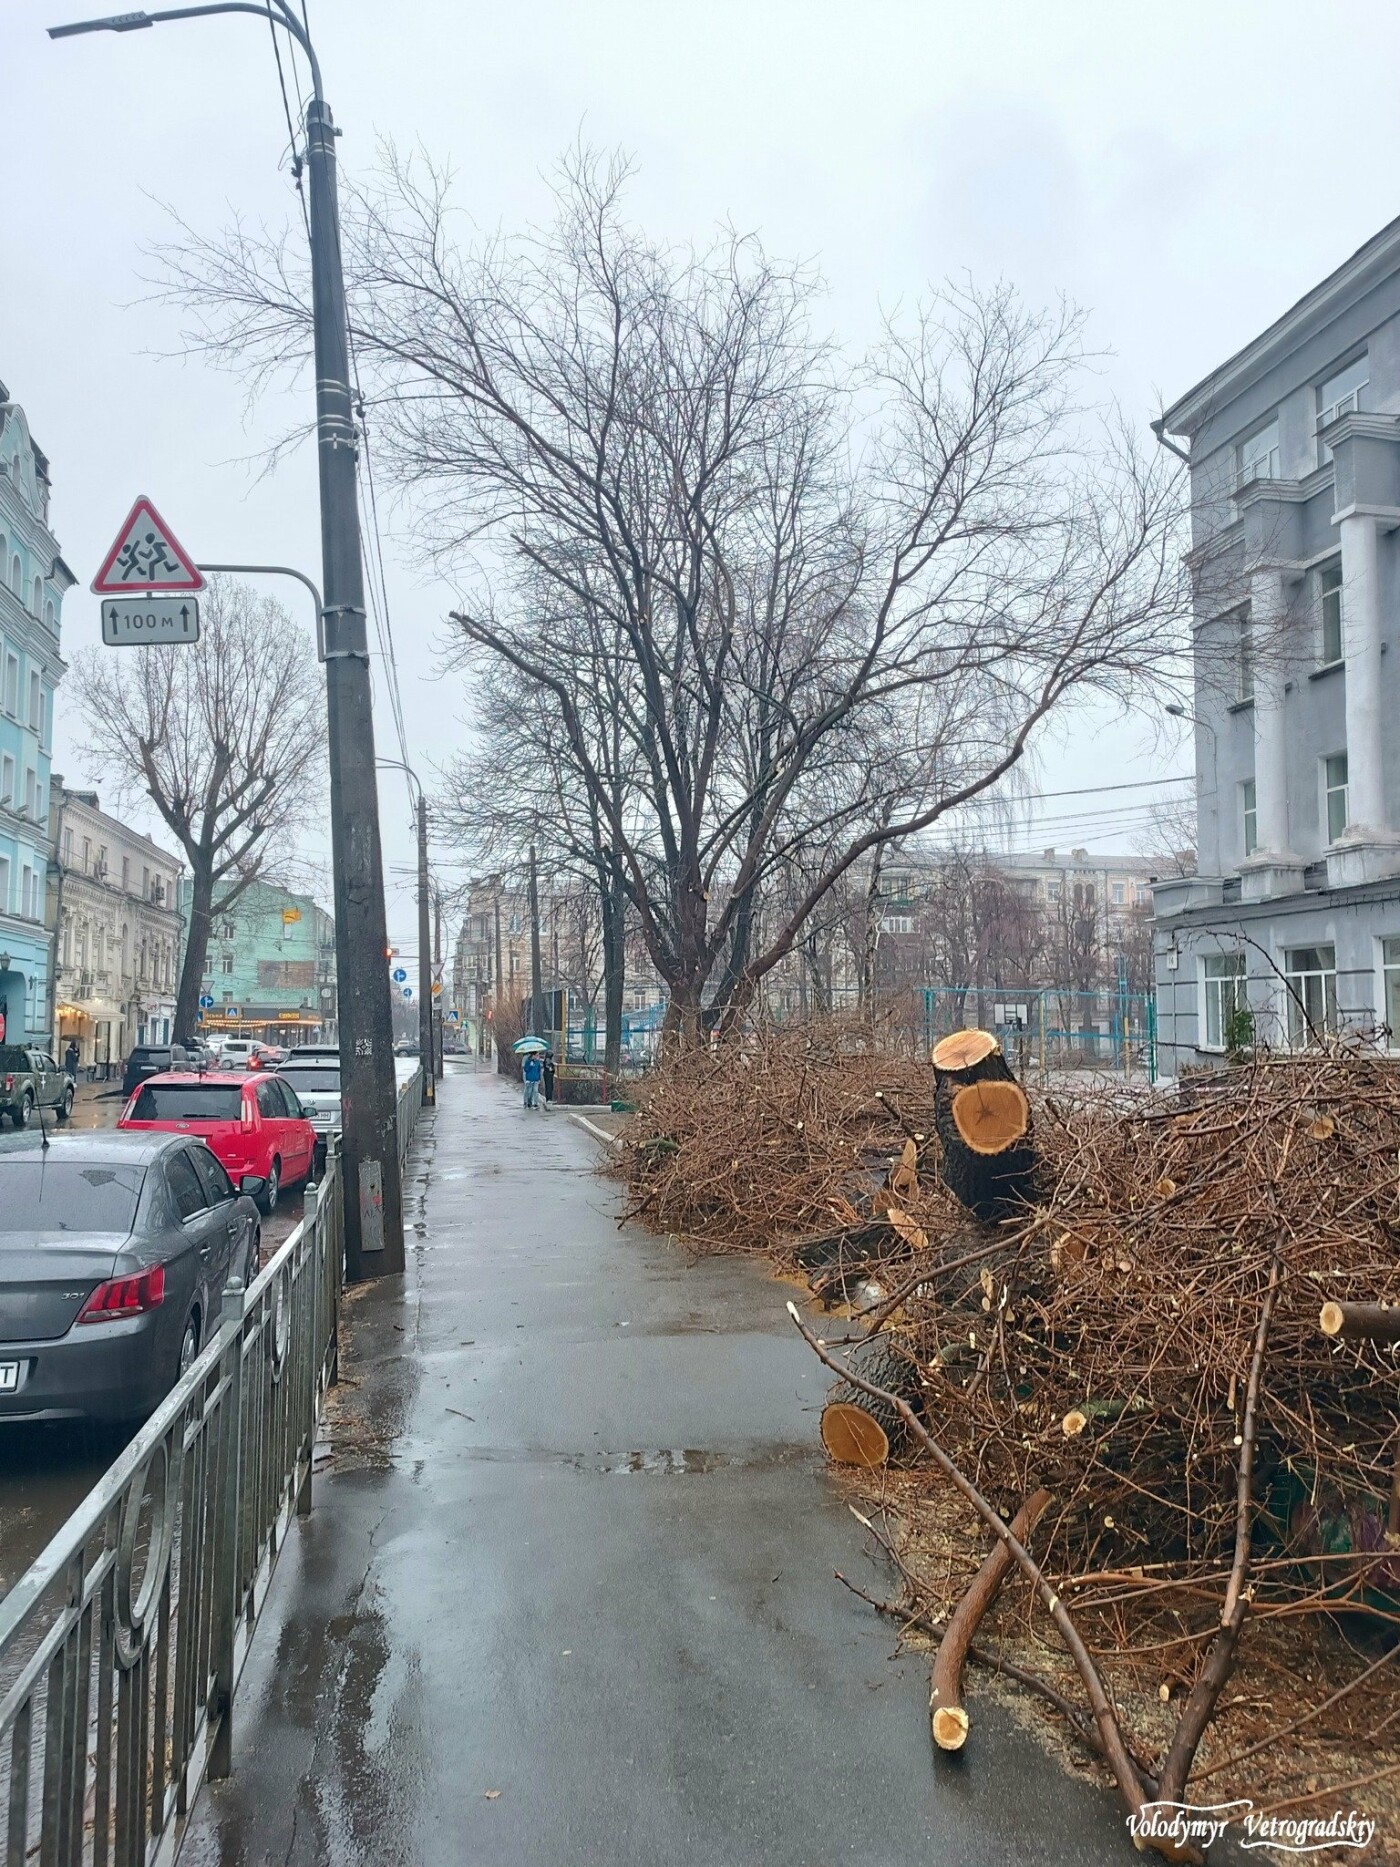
(1159, 429)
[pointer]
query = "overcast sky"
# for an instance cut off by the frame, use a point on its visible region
(1184, 172)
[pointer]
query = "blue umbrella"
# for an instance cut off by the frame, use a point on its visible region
(523, 1044)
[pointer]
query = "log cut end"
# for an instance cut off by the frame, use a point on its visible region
(852, 1436)
(1331, 1320)
(991, 1117)
(950, 1727)
(963, 1049)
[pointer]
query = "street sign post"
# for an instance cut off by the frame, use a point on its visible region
(139, 622)
(407, 991)
(206, 1001)
(399, 975)
(437, 988)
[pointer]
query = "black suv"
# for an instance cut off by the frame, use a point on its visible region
(151, 1060)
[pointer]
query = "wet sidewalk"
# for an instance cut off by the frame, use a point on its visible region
(566, 1593)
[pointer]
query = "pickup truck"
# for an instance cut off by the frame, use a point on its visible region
(31, 1079)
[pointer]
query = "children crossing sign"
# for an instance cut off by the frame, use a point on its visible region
(147, 584)
(147, 556)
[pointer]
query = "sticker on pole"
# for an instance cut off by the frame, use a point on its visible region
(146, 556)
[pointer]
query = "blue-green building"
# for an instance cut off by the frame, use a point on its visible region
(270, 967)
(33, 579)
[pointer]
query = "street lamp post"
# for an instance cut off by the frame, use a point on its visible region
(374, 1243)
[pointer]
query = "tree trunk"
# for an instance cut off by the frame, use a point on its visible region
(987, 1162)
(196, 951)
(612, 902)
(858, 1429)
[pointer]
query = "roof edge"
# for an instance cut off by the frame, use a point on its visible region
(1380, 254)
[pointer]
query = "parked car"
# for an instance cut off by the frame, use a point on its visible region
(253, 1124)
(314, 1053)
(31, 1079)
(248, 1053)
(115, 1255)
(151, 1060)
(316, 1080)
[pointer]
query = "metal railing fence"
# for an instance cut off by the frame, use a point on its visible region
(121, 1647)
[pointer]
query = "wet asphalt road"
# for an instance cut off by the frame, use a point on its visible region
(566, 1595)
(47, 1470)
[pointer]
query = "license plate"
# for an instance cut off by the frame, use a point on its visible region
(9, 1376)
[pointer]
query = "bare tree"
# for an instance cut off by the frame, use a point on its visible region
(824, 606)
(223, 736)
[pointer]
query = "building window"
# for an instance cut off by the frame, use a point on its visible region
(1257, 458)
(1223, 980)
(1311, 976)
(1249, 817)
(226, 964)
(4, 884)
(1342, 394)
(1244, 663)
(897, 924)
(27, 891)
(34, 699)
(1052, 889)
(31, 794)
(228, 930)
(1329, 596)
(1390, 991)
(1120, 894)
(38, 597)
(12, 685)
(1334, 786)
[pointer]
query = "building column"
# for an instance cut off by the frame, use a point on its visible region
(1369, 848)
(1361, 645)
(1273, 869)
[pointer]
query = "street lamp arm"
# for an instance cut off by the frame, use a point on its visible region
(275, 10)
(396, 764)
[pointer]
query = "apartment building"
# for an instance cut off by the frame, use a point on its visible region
(116, 914)
(269, 969)
(1291, 925)
(33, 579)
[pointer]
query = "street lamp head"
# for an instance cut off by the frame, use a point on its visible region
(1175, 708)
(118, 22)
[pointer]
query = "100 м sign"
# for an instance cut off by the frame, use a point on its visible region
(138, 622)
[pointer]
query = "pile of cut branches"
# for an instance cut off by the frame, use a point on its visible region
(1210, 1483)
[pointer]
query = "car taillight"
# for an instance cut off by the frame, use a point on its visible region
(9, 1082)
(125, 1296)
(249, 1119)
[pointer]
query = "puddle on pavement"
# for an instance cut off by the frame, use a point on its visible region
(659, 1461)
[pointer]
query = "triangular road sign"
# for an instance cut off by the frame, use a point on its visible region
(146, 556)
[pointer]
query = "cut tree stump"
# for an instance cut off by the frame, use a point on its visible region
(969, 1056)
(947, 1713)
(988, 1161)
(858, 1429)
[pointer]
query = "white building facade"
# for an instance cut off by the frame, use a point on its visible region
(1291, 926)
(116, 902)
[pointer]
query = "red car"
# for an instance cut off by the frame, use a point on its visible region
(252, 1125)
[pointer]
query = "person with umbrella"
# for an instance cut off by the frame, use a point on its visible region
(531, 1069)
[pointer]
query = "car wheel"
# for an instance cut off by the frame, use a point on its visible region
(20, 1116)
(268, 1202)
(65, 1107)
(189, 1346)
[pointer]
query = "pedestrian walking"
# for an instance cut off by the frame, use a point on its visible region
(531, 1070)
(548, 1065)
(70, 1060)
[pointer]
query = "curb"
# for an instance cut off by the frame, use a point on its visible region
(599, 1134)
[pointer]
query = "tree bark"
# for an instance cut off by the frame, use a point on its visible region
(196, 948)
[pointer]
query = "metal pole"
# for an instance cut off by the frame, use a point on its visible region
(536, 985)
(425, 962)
(369, 1111)
(437, 980)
